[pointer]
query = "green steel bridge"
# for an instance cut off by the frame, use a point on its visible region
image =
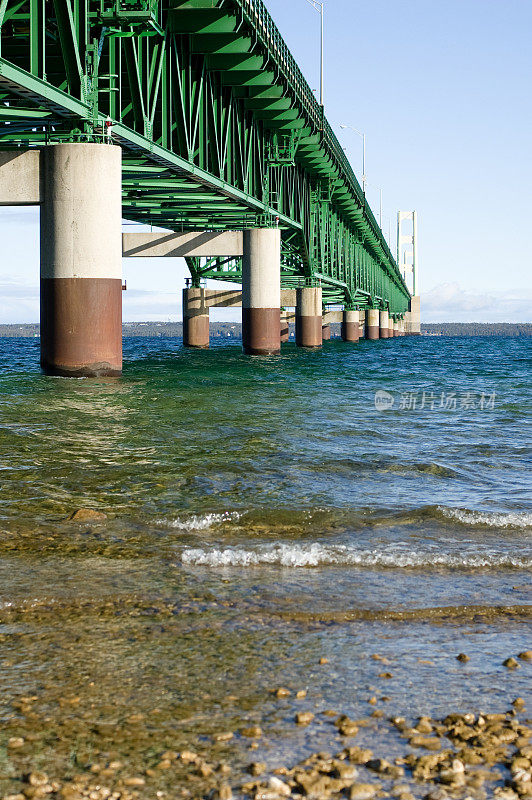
(219, 130)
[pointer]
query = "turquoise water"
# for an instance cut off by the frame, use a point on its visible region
(263, 514)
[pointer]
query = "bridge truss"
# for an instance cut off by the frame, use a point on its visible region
(218, 128)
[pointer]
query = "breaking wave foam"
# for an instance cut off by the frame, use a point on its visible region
(512, 519)
(316, 555)
(200, 522)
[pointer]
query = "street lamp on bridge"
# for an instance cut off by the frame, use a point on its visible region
(380, 203)
(319, 7)
(363, 137)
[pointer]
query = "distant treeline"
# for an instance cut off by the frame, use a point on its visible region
(225, 330)
(233, 330)
(477, 328)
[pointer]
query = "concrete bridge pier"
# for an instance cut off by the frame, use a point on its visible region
(384, 324)
(261, 291)
(309, 316)
(350, 325)
(372, 324)
(362, 323)
(285, 327)
(325, 332)
(81, 260)
(195, 318)
(391, 328)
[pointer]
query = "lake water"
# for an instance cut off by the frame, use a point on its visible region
(263, 515)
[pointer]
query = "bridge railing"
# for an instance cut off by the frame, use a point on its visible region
(271, 38)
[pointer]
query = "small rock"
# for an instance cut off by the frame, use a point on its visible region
(224, 792)
(428, 742)
(225, 736)
(87, 515)
(253, 732)
(134, 781)
(282, 692)
(378, 765)
(304, 717)
(437, 794)
(346, 726)
(280, 787)
(324, 660)
(358, 755)
(15, 741)
(168, 755)
(386, 675)
(518, 704)
(189, 757)
(134, 719)
(301, 694)
(37, 778)
(346, 772)
(510, 663)
(526, 655)
(256, 768)
(362, 791)
(462, 657)
(504, 793)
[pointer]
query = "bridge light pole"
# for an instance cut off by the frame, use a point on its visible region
(363, 137)
(380, 202)
(319, 7)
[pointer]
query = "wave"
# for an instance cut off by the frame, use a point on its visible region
(200, 522)
(495, 519)
(362, 517)
(317, 555)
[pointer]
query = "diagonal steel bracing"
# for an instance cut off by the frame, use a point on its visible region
(219, 129)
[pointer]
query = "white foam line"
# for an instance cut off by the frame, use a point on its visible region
(314, 555)
(512, 519)
(199, 522)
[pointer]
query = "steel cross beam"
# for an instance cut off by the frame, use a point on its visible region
(218, 127)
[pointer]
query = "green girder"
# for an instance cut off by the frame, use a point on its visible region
(218, 128)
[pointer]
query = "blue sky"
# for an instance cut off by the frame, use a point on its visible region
(442, 91)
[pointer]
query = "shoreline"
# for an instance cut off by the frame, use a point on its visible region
(463, 755)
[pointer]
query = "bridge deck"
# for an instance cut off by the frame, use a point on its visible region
(219, 129)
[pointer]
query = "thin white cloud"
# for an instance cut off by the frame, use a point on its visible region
(448, 302)
(144, 306)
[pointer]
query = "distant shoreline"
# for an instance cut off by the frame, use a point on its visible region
(232, 330)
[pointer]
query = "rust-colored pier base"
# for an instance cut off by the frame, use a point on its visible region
(384, 325)
(81, 326)
(195, 318)
(81, 260)
(325, 332)
(372, 324)
(362, 323)
(285, 327)
(261, 292)
(350, 325)
(309, 317)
